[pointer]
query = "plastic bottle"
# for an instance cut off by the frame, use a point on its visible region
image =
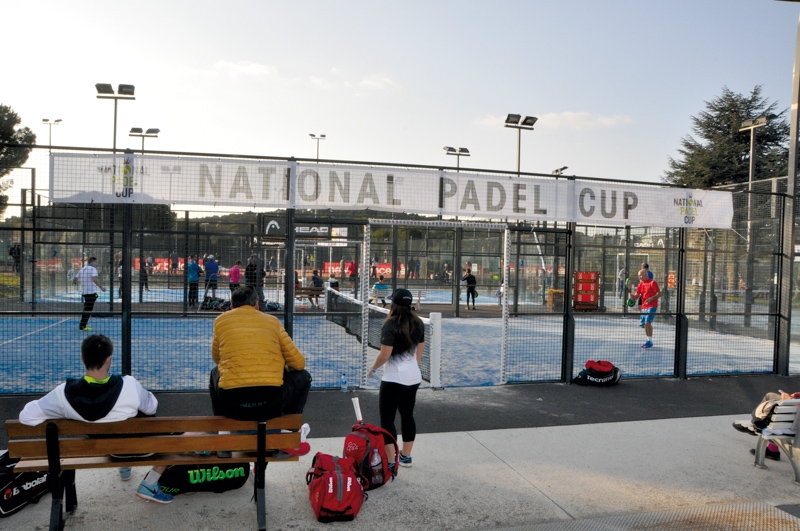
(376, 465)
(344, 383)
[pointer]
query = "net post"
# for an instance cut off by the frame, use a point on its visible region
(436, 350)
(365, 252)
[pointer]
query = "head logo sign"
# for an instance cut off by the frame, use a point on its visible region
(272, 225)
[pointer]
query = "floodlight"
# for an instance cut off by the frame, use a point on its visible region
(513, 119)
(528, 121)
(136, 131)
(154, 131)
(125, 90)
(464, 152)
(449, 149)
(104, 88)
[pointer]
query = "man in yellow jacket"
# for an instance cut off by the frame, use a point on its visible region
(260, 373)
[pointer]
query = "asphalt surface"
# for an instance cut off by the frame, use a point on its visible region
(330, 412)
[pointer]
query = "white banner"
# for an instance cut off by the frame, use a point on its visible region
(87, 178)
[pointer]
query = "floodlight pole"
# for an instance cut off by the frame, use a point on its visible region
(750, 125)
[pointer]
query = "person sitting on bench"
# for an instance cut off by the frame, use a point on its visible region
(260, 373)
(760, 419)
(99, 397)
(381, 291)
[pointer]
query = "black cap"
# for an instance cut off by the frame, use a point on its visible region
(402, 297)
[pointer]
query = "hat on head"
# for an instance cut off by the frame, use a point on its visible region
(402, 297)
(210, 257)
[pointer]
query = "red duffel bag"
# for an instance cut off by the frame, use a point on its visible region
(335, 490)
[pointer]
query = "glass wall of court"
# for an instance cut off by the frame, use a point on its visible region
(723, 283)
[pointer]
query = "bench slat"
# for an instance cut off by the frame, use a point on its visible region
(79, 463)
(27, 448)
(151, 425)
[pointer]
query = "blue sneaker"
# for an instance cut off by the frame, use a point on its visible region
(125, 473)
(648, 344)
(405, 460)
(153, 493)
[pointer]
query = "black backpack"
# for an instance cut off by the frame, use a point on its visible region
(599, 373)
(18, 489)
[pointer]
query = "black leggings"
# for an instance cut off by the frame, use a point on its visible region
(471, 291)
(393, 397)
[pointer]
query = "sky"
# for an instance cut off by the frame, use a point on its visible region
(613, 83)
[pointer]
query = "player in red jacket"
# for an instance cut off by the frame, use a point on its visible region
(649, 291)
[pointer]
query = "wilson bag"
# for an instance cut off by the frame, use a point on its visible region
(335, 490)
(180, 479)
(361, 444)
(18, 489)
(600, 373)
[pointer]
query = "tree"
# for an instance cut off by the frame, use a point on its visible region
(11, 156)
(722, 153)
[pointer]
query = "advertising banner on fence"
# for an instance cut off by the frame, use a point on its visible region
(131, 178)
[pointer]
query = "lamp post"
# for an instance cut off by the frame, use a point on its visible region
(750, 125)
(124, 92)
(317, 138)
(150, 133)
(516, 121)
(460, 152)
(50, 125)
(106, 92)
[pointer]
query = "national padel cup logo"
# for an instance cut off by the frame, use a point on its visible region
(689, 208)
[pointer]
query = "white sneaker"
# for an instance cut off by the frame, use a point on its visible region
(305, 429)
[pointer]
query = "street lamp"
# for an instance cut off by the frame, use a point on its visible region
(150, 133)
(317, 138)
(461, 152)
(106, 92)
(516, 121)
(559, 171)
(51, 124)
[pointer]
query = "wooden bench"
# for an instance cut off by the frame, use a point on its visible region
(785, 417)
(383, 294)
(63, 446)
(310, 293)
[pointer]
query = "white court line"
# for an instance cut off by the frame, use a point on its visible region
(34, 332)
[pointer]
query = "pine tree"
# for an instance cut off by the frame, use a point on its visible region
(11, 156)
(720, 154)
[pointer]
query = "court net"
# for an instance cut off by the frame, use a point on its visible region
(346, 311)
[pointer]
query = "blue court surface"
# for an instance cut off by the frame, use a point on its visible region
(37, 353)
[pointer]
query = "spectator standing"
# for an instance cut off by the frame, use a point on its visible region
(411, 267)
(235, 275)
(143, 284)
(212, 271)
(342, 270)
(469, 278)
(16, 255)
(89, 281)
(402, 342)
(417, 266)
(151, 261)
(193, 277)
(175, 258)
(375, 267)
(254, 276)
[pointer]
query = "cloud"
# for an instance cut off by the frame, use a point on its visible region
(377, 82)
(582, 120)
(320, 82)
(565, 120)
(244, 68)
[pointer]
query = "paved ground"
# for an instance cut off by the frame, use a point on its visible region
(501, 457)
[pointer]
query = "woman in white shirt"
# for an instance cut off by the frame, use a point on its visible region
(402, 343)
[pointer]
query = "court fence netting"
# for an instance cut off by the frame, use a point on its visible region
(727, 303)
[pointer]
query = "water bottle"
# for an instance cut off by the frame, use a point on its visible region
(376, 465)
(344, 383)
